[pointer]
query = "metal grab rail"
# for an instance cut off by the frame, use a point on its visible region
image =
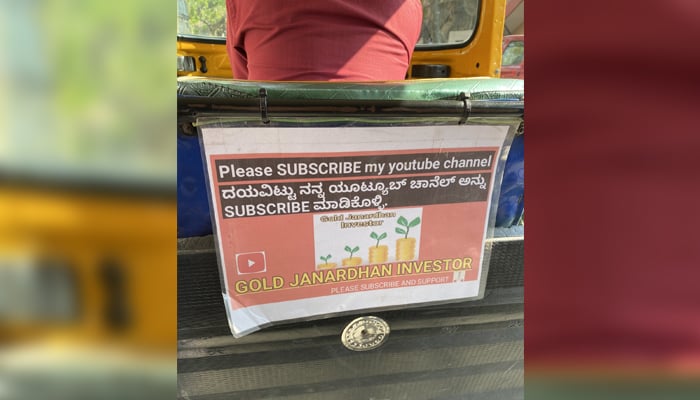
(268, 107)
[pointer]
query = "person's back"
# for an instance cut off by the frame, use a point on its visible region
(322, 40)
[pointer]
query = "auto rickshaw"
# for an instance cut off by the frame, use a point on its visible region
(436, 348)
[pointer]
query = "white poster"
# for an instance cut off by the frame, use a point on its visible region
(318, 221)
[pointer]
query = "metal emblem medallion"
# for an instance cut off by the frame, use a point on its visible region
(365, 333)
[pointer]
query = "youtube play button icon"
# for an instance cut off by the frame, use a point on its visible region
(251, 263)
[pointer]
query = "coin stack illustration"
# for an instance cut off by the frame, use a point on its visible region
(326, 264)
(406, 246)
(378, 254)
(352, 261)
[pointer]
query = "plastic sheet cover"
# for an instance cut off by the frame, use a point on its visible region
(313, 222)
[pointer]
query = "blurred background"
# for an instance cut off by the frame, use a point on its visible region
(612, 305)
(87, 199)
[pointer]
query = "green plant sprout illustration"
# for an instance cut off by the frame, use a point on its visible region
(376, 237)
(326, 258)
(408, 225)
(352, 251)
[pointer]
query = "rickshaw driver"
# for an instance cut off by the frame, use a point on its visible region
(322, 40)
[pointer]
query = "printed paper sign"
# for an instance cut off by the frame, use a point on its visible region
(316, 221)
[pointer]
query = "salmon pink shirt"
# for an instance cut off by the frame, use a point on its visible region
(322, 40)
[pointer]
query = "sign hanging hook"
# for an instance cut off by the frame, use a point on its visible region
(467, 107)
(263, 106)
